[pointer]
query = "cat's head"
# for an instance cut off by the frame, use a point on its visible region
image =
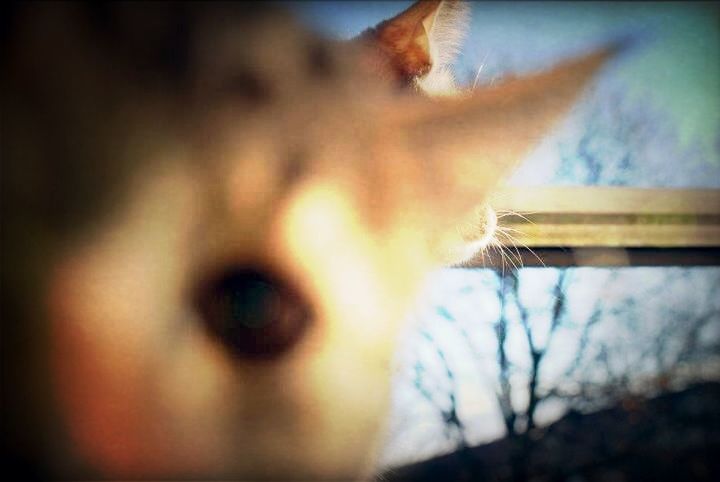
(215, 220)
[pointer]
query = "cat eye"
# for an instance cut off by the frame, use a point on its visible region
(254, 312)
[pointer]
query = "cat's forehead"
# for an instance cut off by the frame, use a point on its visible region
(265, 39)
(268, 56)
(285, 91)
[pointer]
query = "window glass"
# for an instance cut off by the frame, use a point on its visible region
(585, 339)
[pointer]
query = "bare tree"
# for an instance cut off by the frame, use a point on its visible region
(521, 420)
(444, 401)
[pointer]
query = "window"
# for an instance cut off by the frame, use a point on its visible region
(602, 291)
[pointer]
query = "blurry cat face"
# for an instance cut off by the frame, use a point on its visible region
(235, 215)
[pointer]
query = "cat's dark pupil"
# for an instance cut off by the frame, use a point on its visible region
(254, 313)
(247, 305)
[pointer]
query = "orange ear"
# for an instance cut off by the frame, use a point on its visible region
(422, 38)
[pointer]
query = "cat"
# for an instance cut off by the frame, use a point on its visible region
(214, 220)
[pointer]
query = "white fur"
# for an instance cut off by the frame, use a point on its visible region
(446, 36)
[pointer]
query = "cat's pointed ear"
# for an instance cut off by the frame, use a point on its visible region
(425, 37)
(471, 143)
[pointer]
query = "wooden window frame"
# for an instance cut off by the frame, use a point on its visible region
(605, 226)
